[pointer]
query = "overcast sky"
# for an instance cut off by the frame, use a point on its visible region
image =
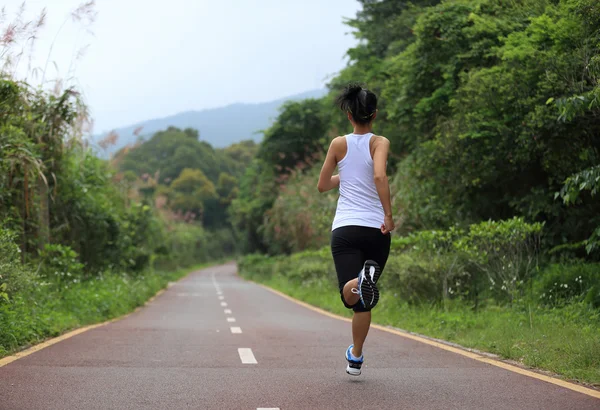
(150, 58)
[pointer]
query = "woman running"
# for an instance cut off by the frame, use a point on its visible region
(360, 240)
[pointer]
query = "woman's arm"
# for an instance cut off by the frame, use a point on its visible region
(328, 181)
(380, 156)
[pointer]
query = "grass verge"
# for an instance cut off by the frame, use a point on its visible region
(565, 341)
(48, 310)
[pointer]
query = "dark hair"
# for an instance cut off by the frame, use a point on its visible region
(359, 102)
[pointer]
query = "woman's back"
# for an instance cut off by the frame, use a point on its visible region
(359, 203)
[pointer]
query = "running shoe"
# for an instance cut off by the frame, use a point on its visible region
(367, 278)
(354, 363)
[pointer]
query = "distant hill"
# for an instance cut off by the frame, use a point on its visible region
(220, 127)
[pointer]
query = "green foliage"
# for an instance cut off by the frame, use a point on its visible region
(168, 153)
(197, 181)
(60, 264)
(300, 218)
(257, 193)
(290, 146)
(14, 277)
(586, 180)
(506, 251)
(297, 134)
(141, 236)
(191, 190)
(35, 130)
(239, 155)
(561, 284)
(489, 260)
(87, 214)
(227, 188)
(189, 244)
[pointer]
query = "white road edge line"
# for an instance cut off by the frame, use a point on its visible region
(246, 355)
(231, 319)
(268, 408)
(236, 330)
(224, 304)
(227, 311)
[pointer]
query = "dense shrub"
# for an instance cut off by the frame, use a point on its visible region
(490, 260)
(14, 276)
(559, 284)
(60, 264)
(188, 244)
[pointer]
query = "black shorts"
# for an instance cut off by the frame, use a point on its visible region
(351, 246)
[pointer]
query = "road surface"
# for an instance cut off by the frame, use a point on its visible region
(215, 341)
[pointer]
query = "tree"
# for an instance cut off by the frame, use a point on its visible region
(227, 188)
(191, 191)
(170, 152)
(298, 134)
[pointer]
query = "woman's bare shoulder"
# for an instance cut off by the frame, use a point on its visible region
(338, 143)
(381, 139)
(339, 147)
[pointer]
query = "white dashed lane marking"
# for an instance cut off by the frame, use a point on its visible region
(246, 355)
(215, 284)
(221, 297)
(227, 311)
(224, 304)
(231, 319)
(236, 330)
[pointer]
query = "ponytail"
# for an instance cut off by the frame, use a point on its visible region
(359, 102)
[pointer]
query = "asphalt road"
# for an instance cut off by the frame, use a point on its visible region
(182, 352)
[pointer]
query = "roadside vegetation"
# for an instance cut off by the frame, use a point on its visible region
(492, 112)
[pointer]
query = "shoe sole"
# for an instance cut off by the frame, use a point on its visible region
(375, 265)
(369, 294)
(350, 373)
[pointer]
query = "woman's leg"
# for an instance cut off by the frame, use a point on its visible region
(351, 298)
(377, 249)
(361, 322)
(349, 261)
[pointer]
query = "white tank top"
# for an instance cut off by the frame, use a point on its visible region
(359, 203)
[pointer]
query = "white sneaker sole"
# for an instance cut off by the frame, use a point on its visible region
(352, 371)
(369, 294)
